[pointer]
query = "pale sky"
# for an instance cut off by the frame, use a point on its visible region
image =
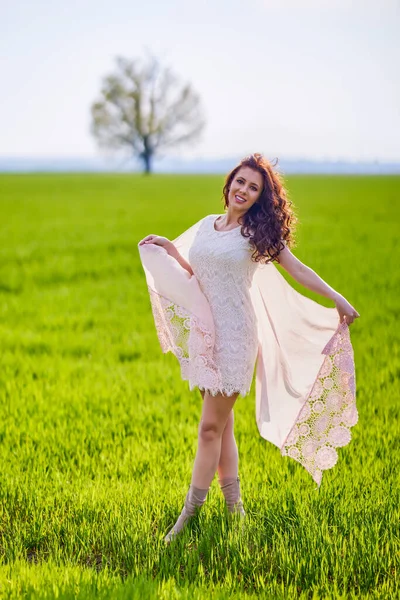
(316, 79)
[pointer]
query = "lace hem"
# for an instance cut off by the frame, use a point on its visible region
(226, 391)
(183, 334)
(324, 421)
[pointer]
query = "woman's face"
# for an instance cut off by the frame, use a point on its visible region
(246, 188)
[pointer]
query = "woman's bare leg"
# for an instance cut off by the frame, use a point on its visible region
(228, 467)
(228, 464)
(215, 413)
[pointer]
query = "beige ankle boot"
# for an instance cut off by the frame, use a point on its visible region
(230, 487)
(195, 498)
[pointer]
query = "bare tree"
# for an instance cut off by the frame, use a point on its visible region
(145, 109)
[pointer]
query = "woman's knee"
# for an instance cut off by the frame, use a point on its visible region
(217, 413)
(210, 430)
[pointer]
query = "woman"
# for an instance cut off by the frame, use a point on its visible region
(217, 321)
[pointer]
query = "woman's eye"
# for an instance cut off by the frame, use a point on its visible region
(241, 181)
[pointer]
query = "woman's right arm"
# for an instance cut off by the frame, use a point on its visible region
(175, 254)
(169, 247)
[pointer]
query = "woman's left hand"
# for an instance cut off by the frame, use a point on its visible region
(346, 310)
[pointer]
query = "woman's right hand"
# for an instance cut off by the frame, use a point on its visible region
(153, 239)
(158, 240)
(169, 247)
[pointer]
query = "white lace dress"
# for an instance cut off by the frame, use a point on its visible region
(222, 264)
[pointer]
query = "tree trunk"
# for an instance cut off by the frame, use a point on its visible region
(147, 154)
(147, 162)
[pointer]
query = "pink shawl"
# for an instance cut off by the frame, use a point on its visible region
(305, 373)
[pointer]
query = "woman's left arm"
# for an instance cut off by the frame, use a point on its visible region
(311, 280)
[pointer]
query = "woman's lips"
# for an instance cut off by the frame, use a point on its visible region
(239, 199)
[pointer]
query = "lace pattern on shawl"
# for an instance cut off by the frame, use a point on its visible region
(323, 424)
(188, 339)
(183, 334)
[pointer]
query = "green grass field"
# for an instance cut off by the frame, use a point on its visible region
(98, 432)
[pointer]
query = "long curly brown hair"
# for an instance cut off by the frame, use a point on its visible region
(270, 219)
